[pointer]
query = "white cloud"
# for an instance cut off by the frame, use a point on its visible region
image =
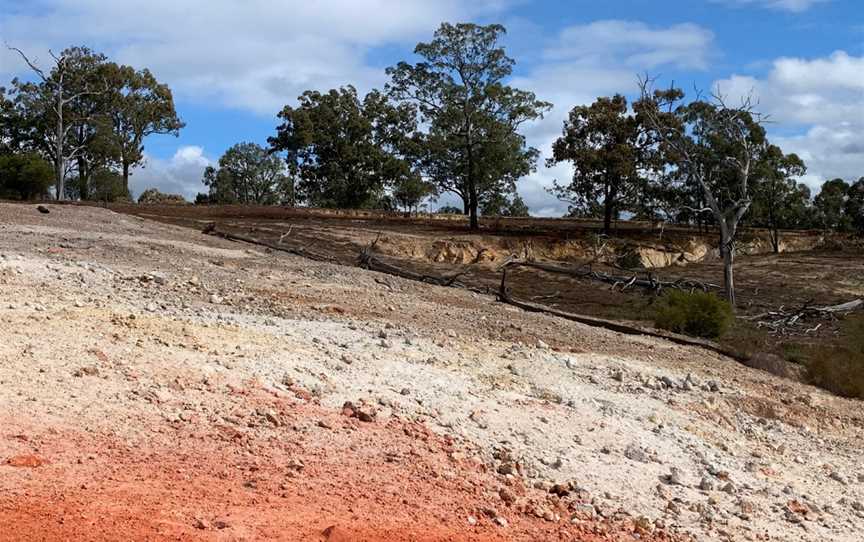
(634, 44)
(824, 98)
(256, 54)
(181, 174)
(598, 59)
(794, 6)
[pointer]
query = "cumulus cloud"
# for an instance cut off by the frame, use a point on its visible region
(255, 55)
(180, 174)
(824, 99)
(794, 6)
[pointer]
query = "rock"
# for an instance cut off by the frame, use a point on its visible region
(500, 521)
(562, 490)
(729, 488)
(507, 468)
(706, 484)
(675, 477)
(273, 419)
(43, 209)
(86, 371)
(618, 375)
(26, 461)
(472, 520)
(542, 345)
(215, 299)
(636, 453)
(506, 495)
(364, 413)
(837, 477)
(201, 523)
(405, 391)
(324, 424)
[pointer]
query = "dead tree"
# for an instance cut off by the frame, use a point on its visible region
(716, 147)
(57, 83)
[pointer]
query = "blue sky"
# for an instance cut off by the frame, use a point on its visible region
(234, 64)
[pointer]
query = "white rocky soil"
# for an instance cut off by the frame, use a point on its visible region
(676, 437)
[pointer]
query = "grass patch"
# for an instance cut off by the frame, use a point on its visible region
(700, 314)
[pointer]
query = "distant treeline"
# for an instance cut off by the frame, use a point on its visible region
(448, 123)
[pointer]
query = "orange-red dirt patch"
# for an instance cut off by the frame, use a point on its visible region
(318, 476)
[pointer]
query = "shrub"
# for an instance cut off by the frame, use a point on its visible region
(700, 314)
(840, 368)
(154, 196)
(25, 176)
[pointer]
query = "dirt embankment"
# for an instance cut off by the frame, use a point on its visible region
(159, 384)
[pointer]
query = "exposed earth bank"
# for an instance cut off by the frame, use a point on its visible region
(158, 384)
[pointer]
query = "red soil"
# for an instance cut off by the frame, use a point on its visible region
(356, 481)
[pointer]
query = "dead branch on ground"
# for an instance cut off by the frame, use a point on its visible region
(649, 282)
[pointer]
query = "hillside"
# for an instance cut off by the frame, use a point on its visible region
(162, 384)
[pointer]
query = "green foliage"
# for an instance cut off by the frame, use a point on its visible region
(472, 148)
(248, 174)
(501, 205)
(108, 185)
(830, 204)
(138, 106)
(86, 114)
(854, 208)
(700, 314)
(449, 210)
(24, 176)
(840, 368)
(343, 151)
(155, 196)
(411, 191)
(609, 155)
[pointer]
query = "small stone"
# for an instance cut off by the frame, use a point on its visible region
(500, 521)
(506, 495)
(202, 524)
(706, 484)
(636, 453)
(837, 477)
(506, 468)
(675, 477)
(472, 520)
(215, 299)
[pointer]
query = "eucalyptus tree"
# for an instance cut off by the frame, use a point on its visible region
(606, 146)
(778, 200)
(473, 147)
(138, 106)
(247, 174)
(717, 147)
(52, 105)
(344, 151)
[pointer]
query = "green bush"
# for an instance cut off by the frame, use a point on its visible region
(840, 368)
(25, 176)
(700, 314)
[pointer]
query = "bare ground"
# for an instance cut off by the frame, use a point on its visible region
(160, 384)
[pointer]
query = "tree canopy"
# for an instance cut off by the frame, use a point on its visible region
(248, 174)
(343, 151)
(472, 147)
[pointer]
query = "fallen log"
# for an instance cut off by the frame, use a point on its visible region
(211, 229)
(649, 283)
(783, 321)
(367, 260)
(612, 325)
